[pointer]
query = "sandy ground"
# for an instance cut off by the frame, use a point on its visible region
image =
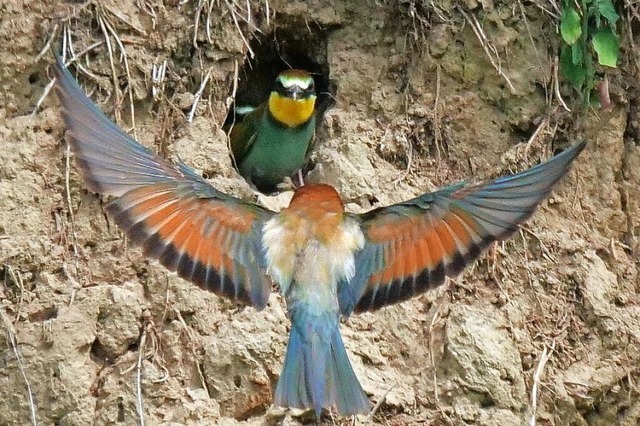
(92, 330)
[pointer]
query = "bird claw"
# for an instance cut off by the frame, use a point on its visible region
(300, 179)
(288, 184)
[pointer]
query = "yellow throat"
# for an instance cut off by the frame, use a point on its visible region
(291, 112)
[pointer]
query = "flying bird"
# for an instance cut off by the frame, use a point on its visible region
(326, 262)
(274, 140)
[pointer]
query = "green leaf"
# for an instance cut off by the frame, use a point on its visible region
(576, 54)
(576, 74)
(606, 45)
(606, 9)
(570, 27)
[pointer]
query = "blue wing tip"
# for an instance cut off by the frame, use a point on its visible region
(574, 150)
(60, 68)
(563, 160)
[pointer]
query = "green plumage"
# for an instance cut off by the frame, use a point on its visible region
(266, 152)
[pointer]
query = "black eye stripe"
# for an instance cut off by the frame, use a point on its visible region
(279, 87)
(284, 91)
(310, 91)
(312, 88)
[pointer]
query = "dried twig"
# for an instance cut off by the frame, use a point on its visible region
(231, 101)
(47, 45)
(234, 15)
(114, 75)
(555, 13)
(556, 85)
(544, 123)
(436, 393)
(267, 11)
(409, 148)
(16, 278)
(139, 406)
(13, 343)
(546, 355)
(203, 382)
(488, 48)
(44, 95)
(107, 28)
(545, 251)
(158, 74)
(67, 47)
(379, 403)
(196, 22)
(198, 95)
(436, 115)
(67, 179)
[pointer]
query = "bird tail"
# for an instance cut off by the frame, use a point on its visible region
(316, 372)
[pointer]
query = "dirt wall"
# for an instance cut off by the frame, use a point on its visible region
(92, 330)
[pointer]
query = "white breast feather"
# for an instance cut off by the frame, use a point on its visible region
(279, 257)
(314, 263)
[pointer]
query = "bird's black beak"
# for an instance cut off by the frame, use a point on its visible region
(295, 93)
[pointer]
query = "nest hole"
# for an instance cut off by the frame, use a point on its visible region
(299, 46)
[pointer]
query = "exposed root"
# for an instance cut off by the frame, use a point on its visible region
(489, 49)
(108, 31)
(145, 352)
(189, 334)
(67, 179)
(231, 103)
(437, 317)
(543, 124)
(47, 45)
(546, 355)
(198, 95)
(234, 16)
(139, 403)
(409, 150)
(158, 74)
(437, 140)
(526, 24)
(148, 8)
(556, 84)
(554, 12)
(376, 407)
(13, 343)
(196, 22)
(16, 279)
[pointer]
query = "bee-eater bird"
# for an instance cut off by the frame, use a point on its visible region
(326, 262)
(274, 140)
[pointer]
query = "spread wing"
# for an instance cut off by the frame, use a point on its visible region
(410, 247)
(208, 237)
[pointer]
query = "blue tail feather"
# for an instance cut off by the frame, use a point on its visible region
(316, 372)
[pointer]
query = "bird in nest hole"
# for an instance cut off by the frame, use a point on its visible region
(273, 141)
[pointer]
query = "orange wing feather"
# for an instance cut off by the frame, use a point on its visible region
(207, 241)
(412, 246)
(208, 237)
